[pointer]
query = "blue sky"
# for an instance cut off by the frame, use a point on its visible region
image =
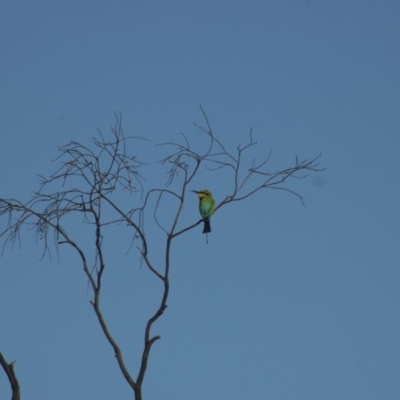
(286, 301)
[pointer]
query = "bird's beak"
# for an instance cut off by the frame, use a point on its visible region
(194, 191)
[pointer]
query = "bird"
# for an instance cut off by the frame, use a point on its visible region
(206, 207)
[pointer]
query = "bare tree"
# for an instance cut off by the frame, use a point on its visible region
(84, 185)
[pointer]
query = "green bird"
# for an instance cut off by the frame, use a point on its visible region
(206, 207)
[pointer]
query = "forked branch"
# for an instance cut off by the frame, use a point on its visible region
(83, 187)
(12, 378)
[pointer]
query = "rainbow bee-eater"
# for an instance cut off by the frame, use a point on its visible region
(206, 207)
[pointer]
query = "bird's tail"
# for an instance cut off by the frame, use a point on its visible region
(207, 226)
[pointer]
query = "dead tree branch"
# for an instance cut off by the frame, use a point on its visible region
(9, 370)
(83, 186)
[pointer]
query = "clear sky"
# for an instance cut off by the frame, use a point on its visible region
(286, 301)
